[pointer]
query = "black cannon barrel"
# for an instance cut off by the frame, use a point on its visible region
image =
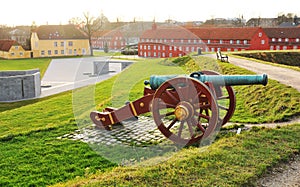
(220, 80)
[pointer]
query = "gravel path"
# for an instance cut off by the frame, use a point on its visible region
(287, 175)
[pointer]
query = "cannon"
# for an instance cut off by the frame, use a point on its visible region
(185, 108)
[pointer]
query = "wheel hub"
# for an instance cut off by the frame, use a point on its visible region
(183, 111)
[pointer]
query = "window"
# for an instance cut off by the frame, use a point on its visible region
(181, 40)
(170, 48)
(297, 39)
(70, 51)
(295, 47)
(154, 47)
(21, 53)
(262, 42)
(75, 52)
(55, 44)
(145, 47)
(195, 41)
(286, 40)
(187, 48)
(141, 47)
(42, 52)
(284, 47)
(149, 47)
(279, 40)
(56, 52)
(62, 52)
(62, 44)
(70, 43)
(273, 40)
(231, 41)
(260, 34)
(208, 41)
(221, 41)
(238, 42)
(12, 54)
(245, 42)
(49, 52)
(271, 47)
(158, 47)
(16, 47)
(163, 47)
(154, 54)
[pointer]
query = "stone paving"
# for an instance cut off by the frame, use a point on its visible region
(141, 132)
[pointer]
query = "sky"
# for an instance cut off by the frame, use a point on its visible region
(25, 12)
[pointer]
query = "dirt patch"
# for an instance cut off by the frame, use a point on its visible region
(286, 174)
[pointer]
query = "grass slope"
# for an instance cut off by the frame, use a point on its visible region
(25, 64)
(29, 144)
(237, 160)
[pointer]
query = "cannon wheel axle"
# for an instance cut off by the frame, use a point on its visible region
(185, 110)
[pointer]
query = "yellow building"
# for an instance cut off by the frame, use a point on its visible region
(10, 49)
(58, 41)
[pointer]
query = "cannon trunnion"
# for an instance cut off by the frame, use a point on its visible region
(186, 109)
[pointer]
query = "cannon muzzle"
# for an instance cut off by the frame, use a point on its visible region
(217, 80)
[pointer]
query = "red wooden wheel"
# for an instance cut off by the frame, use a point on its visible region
(185, 110)
(225, 98)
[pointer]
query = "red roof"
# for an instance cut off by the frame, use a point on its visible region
(225, 33)
(5, 45)
(48, 32)
(286, 32)
(168, 33)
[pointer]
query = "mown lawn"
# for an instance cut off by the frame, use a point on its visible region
(32, 154)
(25, 64)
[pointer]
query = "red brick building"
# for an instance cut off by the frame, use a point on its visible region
(113, 39)
(168, 41)
(232, 39)
(283, 38)
(176, 41)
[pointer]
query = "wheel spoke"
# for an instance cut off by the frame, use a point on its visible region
(180, 129)
(223, 97)
(170, 95)
(223, 107)
(189, 123)
(200, 115)
(172, 124)
(163, 105)
(198, 125)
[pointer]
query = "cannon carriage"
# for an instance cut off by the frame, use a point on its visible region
(186, 109)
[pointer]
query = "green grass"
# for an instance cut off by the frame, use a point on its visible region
(237, 160)
(29, 131)
(25, 64)
(260, 104)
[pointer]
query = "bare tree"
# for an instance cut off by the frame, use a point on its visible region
(91, 25)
